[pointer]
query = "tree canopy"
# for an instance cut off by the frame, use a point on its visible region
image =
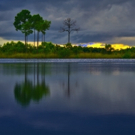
(27, 23)
(22, 22)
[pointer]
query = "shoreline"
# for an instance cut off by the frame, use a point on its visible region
(72, 56)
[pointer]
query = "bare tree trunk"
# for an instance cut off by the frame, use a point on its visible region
(68, 37)
(37, 38)
(44, 37)
(34, 37)
(25, 39)
(25, 44)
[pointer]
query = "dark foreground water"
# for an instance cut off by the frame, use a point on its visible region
(67, 97)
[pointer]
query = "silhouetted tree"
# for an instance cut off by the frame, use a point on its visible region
(34, 21)
(37, 25)
(45, 26)
(40, 25)
(22, 23)
(69, 25)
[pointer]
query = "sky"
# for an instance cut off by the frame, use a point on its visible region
(99, 20)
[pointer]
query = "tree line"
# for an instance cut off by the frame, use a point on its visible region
(28, 24)
(50, 50)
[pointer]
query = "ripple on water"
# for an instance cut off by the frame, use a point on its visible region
(116, 61)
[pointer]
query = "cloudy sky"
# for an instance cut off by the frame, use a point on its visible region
(99, 20)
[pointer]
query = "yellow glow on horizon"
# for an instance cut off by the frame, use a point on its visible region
(117, 46)
(120, 46)
(97, 45)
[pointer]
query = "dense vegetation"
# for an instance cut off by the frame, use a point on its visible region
(49, 50)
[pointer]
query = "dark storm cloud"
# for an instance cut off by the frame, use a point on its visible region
(95, 38)
(99, 20)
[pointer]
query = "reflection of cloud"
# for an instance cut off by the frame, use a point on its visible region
(4, 112)
(116, 72)
(106, 89)
(51, 125)
(96, 72)
(102, 94)
(105, 93)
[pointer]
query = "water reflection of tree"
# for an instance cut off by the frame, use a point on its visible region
(27, 91)
(68, 90)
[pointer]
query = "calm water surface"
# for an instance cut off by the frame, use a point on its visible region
(67, 97)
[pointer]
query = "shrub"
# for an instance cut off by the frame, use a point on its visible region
(64, 53)
(69, 45)
(127, 55)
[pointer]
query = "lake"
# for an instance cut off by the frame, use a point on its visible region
(67, 97)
